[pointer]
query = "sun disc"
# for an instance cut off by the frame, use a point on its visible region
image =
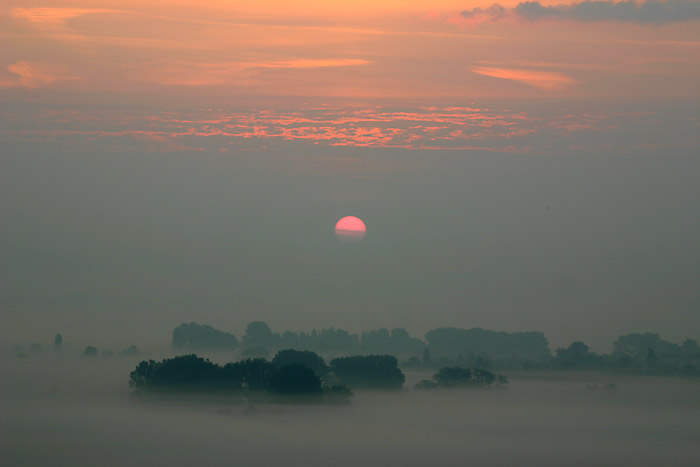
(350, 229)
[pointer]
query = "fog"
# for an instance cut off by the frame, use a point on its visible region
(60, 410)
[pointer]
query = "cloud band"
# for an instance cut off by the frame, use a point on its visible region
(649, 11)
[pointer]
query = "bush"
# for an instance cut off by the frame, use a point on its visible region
(451, 377)
(301, 357)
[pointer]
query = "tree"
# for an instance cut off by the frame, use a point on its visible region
(576, 356)
(186, 373)
(90, 351)
(651, 358)
(301, 357)
(482, 377)
(402, 342)
(454, 377)
(499, 346)
(368, 371)
(193, 374)
(259, 334)
(254, 374)
(58, 341)
(202, 337)
(295, 380)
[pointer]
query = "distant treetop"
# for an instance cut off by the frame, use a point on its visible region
(202, 337)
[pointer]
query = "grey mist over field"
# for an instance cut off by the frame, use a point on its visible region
(76, 411)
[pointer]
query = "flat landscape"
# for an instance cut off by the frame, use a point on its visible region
(62, 411)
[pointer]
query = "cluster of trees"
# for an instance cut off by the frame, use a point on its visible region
(473, 346)
(369, 371)
(443, 347)
(634, 352)
(650, 350)
(447, 346)
(258, 339)
(292, 374)
(457, 377)
(484, 348)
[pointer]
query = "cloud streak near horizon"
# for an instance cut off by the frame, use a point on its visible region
(646, 12)
(222, 130)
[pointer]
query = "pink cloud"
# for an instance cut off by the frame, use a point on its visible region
(34, 75)
(55, 15)
(545, 80)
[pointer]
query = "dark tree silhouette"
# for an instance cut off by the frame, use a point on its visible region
(58, 341)
(193, 374)
(651, 358)
(254, 374)
(295, 380)
(368, 372)
(454, 377)
(186, 373)
(90, 351)
(301, 357)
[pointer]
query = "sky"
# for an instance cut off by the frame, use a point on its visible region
(519, 166)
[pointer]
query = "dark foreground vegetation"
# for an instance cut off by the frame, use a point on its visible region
(456, 377)
(291, 376)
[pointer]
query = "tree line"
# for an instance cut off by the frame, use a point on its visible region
(447, 346)
(293, 375)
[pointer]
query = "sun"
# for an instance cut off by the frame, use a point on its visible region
(350, 229)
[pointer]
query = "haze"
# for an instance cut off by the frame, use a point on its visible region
(520, 167)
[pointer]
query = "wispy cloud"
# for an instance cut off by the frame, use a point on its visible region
(648, 11)
(55, 16)
(309, 63)
(33, 75)
(546, 80)
(241, 73)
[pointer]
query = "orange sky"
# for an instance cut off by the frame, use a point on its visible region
(351, 49)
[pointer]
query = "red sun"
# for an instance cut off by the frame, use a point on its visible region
(350, 229)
